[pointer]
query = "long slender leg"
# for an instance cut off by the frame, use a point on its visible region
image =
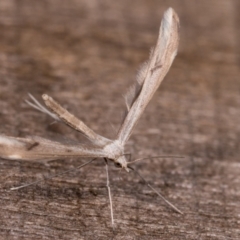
(157, 192)
(53, 176)
(109, 193)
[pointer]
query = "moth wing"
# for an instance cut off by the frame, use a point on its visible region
(151, 74)
(37, 148)
(60, 114)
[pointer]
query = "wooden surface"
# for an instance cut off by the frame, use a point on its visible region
(85, 54)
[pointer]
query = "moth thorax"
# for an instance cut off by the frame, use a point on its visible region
(114, 150)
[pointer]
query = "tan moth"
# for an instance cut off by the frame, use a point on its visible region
(137, 98)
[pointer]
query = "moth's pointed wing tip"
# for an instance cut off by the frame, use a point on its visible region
(170, 16)
(169, 31)
(8, 148)
(170, 12)
(45, 97)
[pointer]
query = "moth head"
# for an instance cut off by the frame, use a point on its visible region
(121, 162)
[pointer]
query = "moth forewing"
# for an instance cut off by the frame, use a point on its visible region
(74, 122)
(36, 148)
(158, 65)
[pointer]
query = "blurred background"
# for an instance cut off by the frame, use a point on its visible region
(85, 54)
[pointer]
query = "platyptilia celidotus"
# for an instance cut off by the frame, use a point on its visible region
(138, 96)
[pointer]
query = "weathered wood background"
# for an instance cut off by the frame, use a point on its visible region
(85, 54)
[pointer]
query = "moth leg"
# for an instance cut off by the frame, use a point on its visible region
(157, 192)
(74, 122)
(109, 193)
(52, 176)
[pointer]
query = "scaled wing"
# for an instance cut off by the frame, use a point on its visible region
(152, 73)
(36, 148)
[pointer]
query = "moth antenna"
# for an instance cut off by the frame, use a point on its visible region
(37, 105)
(157, 192)
(109, 193)
(140, 159)
(50, 177)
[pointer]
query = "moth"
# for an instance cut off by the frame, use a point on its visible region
(137, 97)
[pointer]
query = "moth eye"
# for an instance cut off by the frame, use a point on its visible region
(118, 165)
